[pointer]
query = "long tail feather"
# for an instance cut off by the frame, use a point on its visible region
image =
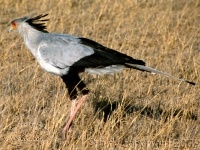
(154, 71)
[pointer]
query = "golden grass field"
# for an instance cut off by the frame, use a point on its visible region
(145, 111)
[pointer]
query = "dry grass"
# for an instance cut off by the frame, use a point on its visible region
(148, 111)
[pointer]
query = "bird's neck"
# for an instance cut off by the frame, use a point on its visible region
(31, 38)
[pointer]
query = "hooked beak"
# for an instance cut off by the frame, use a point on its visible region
(10, 29)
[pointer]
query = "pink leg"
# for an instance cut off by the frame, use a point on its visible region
(74, 110)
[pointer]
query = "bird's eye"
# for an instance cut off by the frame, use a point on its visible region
(14, 24)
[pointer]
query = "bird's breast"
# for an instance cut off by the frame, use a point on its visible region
(53, 69)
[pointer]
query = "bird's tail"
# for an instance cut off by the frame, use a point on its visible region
(154, 71)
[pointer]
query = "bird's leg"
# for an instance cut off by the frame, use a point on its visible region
(73, 81)
(73, 112)
(68, 126)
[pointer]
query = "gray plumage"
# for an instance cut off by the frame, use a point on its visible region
(56, 53)
(66, 56)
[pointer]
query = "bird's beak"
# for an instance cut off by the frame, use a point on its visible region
(10, 29)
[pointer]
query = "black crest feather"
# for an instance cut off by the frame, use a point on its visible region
(37, 23)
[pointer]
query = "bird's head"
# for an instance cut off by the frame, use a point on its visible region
(14, 25)
(35, 23)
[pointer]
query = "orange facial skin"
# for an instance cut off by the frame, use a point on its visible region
(13, 25)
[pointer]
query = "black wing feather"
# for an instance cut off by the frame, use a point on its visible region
(103, 56)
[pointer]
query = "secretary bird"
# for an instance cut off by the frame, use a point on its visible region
(67, 55)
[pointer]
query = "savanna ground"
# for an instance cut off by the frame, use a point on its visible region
(146, 111)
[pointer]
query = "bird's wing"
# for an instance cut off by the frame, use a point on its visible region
(62, 51)
(103, 56)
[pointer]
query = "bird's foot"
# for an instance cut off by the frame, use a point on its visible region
(74, 109)
(66, 133)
